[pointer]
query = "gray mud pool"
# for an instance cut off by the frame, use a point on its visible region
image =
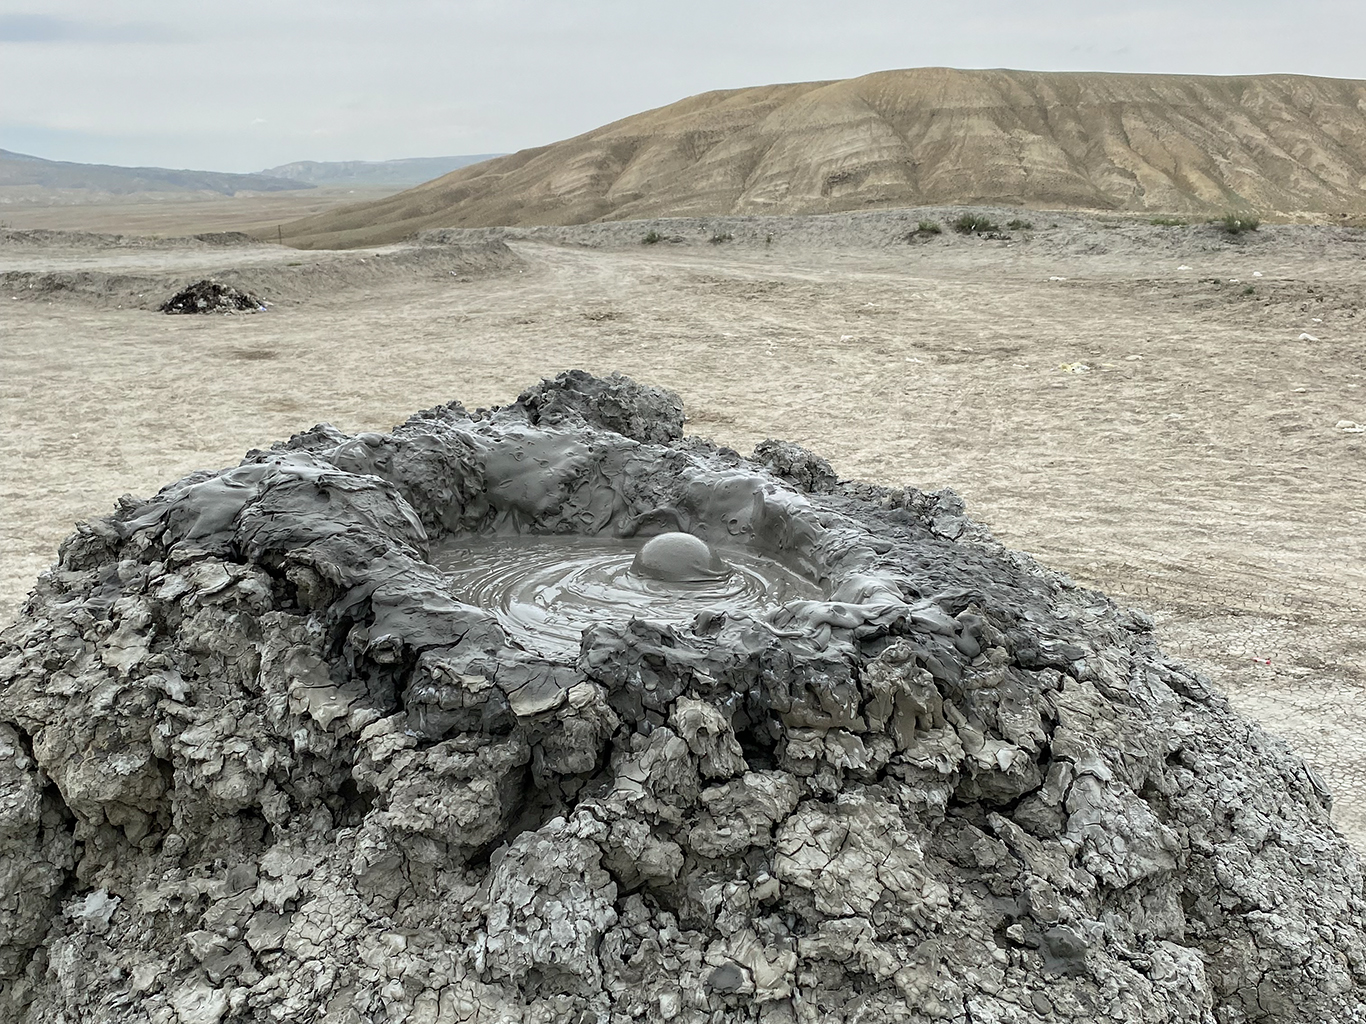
(546, 590)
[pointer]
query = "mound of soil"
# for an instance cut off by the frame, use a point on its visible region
(259, 761)
(211, 297)
(226, 239)
(237, 287)
(46, 238)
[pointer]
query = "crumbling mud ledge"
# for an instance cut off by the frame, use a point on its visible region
(258, 763)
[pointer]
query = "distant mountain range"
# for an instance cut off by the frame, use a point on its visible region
(1195, 145)
(413, 171)
(22, 170)
(19, 169)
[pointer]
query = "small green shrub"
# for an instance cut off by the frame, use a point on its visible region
(973, 224)
(928, 227)
(1237, 223)
(720, 237)
(651, 238)
(1020, 225)
(1168, 222)
(1249, 290)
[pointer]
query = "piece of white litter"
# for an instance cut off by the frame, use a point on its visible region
(1307, 337)
(1316, 320)
(1057, 279)
(1183, 267)
(846, 337)
(1233, 280)
(1132, 359)
(1350, 427)
(1256, 273)
(1074, 368)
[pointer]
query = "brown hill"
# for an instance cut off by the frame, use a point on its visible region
(929, 136)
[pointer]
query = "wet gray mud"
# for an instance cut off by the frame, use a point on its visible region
(546, 590)
(271, 751)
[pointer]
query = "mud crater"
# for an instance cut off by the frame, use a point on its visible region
(546, 590)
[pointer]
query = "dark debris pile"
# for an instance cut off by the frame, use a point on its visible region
(212, 297)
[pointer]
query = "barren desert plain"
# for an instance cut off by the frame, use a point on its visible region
(1164, 412)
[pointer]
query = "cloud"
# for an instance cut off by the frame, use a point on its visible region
(43, 28)
(353, 79)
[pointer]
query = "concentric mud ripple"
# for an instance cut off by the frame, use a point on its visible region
(545, 590)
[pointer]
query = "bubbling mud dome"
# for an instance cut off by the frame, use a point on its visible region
(549, 713)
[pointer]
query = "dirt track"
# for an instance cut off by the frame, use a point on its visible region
(1156, 432)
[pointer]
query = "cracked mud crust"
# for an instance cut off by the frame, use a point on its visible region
(258, 763)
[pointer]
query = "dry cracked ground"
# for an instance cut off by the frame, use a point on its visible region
(1163, 413)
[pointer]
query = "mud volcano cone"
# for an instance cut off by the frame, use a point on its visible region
(259, 761)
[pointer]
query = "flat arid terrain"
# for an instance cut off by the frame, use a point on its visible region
(172, 213)
(1163, 412)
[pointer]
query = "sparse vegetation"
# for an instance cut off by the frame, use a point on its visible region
(1249, 290)
(1169, 222)
(651, 238)
(925, 229)
(721, 236)
(1020, 225)
(1237, 223)
(974, 224)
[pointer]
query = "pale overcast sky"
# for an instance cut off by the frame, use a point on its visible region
(246, 85)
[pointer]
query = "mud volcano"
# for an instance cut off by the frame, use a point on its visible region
(433, 726)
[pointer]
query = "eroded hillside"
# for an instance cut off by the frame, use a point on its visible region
(1184, 144)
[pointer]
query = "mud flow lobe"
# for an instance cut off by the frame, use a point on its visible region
(545, 590)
